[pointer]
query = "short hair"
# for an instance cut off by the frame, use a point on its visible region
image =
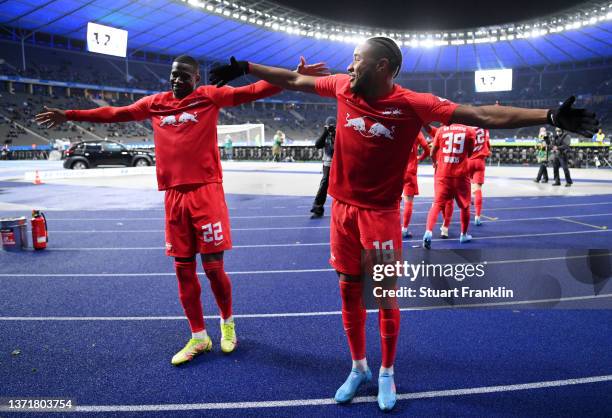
(387, 48)
(188, 59)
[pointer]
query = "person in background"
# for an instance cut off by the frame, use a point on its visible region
(279, 138)
(542, 155)
(599, 137)
(326, 142)
(411, 185)
(5, 153)
(229, 148)
(561, 148)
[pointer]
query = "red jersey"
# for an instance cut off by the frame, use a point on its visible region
(452, 146)
(482, 147)
(374, 139)
(185, 130)
(414, 159)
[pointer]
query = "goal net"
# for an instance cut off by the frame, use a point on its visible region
(245, 134)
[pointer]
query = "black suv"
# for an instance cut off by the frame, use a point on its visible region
(88, 154)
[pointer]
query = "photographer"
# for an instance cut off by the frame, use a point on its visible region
(542, 155)
(325, 141)
(560, 156)
(5, 153)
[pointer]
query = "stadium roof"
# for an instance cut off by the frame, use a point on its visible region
(215, 30)
(431, 15)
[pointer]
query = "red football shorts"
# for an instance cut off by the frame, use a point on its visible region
(354, 229)
(476, 168)
(411, 187)
(197, 220)
(453, 188)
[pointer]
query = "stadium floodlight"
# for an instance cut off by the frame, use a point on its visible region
(298, 23)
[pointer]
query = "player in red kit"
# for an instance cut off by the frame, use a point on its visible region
(476, 165)
(447, 213)
(378, 122)
(411, 186)
(188, 168)
(476, 169)
(452, 147)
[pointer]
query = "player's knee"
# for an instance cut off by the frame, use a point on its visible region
(212, 268)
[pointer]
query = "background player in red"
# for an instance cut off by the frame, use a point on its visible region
(451, 149)
(378, 122)
(447, 213)
(411, 186)
(476, 165)
(188, 168)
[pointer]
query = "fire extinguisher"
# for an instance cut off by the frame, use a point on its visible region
(40, 236)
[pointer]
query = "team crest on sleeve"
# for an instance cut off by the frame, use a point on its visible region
(369, 127)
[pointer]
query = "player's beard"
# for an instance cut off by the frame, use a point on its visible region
(361, 83)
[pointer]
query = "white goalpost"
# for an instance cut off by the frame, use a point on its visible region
(245, 134)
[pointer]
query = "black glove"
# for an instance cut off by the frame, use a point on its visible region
(223, 74)
(575, 120)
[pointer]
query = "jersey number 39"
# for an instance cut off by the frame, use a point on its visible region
(453, 143)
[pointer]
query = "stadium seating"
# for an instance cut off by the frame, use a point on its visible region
(297, 114)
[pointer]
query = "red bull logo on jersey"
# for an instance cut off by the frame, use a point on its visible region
(183, 118)
(369, 127)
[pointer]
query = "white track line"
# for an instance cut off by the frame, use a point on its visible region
(304, 215)
(317, 244)
(565, 218)
(329, 401)
(319, 270)
(315, 227)
(306, 314)
(233, 273)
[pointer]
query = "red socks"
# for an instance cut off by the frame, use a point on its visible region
(408, 205)
(448, 213)
(220, 285)
(478, 201)
(465, 219)
(189, 293)
(389, 323)
(432, 217)
(353, 317)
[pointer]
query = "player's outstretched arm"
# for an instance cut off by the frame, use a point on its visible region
(281, 77)
(565, 117)
(107, 114)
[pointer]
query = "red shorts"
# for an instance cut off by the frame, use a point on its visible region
(354, 229)
(197, 220)
(453, 188)
(476, 168)
(411, 187)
